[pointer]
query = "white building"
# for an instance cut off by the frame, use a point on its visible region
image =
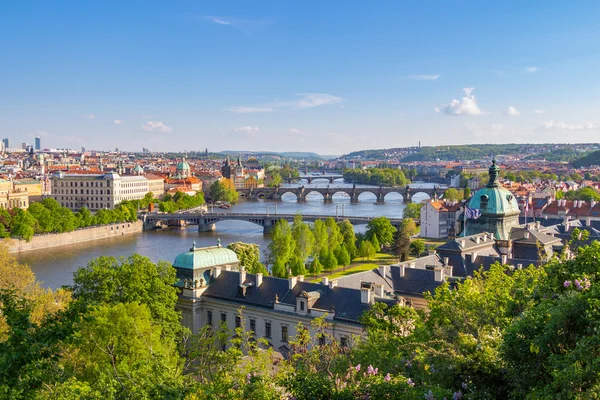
(96, 191)
(438, 218)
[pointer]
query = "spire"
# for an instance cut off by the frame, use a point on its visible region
(494, 171)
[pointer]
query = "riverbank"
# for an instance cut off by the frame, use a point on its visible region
(50, 240)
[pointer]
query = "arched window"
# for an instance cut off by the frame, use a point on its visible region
(101, 191)
(107, 191)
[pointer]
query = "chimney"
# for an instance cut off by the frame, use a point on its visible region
(365, 295)
(379, 290)
(446, 260)
(593, 203)
(228, 268)
(383, 270)
(325, 281)
(519, 266)
(588, 221)
(473, 256)
(402, 267)
(242, 275)
(526, 235)
(300, 278)
(438, 274)
(485, 237)
(413, 265)
(292, 282)
(333, 284)
(217, 272)
(259, 278)
(504, 259)
(492, 235)
(448, 270)
(476, 239)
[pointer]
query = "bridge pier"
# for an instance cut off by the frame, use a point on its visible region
(407, 199)
(207, 227)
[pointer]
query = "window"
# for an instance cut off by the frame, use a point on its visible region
(344, 341)
(209, 317)
(268, 330)
(284, 333)
(238, 322)
(301, 305)
(224, 317)
(253, 325)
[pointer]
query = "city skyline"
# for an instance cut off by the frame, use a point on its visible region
(326, 78)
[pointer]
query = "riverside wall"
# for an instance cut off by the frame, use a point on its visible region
(78, 236)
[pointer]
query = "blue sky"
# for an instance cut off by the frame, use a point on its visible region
(322, 76)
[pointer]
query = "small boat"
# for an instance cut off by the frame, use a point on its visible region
(225, 205)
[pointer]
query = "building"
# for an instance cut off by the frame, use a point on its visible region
(156, 185)
(96, 191)
(38, 143)
(498, 206)
(438, 218)
(183, 180)
(11, 197)
(33, 187)
(6, 142)
(214, 286)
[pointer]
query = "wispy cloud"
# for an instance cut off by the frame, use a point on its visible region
(531, 70)
(423, 77)
(563, 126)
(467, 105)
(156, 126)
(511, 112)
(250, 130)
(89, 116)
(118, 122)
(310, 100)
(296, 132)
(245, 25)
(247, 110)
(538, 111)
(306, 100)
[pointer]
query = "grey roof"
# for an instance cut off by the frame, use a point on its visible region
(225, 286)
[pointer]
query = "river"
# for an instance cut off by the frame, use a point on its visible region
(55, 267)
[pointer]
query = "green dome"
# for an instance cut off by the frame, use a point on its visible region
(494, 200)
(183, 166)
(205, 257)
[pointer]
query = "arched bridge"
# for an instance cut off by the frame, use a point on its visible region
(353, 192)
(207, 222)
(309, 178)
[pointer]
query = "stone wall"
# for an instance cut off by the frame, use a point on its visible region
(80, 235)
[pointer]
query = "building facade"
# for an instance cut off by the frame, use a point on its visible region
(96, 191)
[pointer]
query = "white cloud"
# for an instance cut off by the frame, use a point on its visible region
(531, 70)
(89, 116)
(156, 126)
(465, 106)
(310, 100)
(538, 111)
(245, 25)
(560, 126)
(485, 129)
(219, 20)
(118, 122)
(250, 130)
(246, 110)
(423, 77)
(296, 131)
(511, 111)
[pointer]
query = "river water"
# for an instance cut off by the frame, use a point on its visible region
(55, 266)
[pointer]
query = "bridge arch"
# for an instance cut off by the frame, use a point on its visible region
(394, 196)
(420, 196)
(368, 195)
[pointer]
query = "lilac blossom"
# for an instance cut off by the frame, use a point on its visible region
(567, 284)
(410, 383)
(457, 395)
(387, 377)
(357, 368)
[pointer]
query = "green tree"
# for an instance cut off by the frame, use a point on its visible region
(304, 239)
(321, 237)
(375, 242)
(342, 256)
(121, 353)
(279, 269)
(417, 247)
(412, 210)
(43, 216)
(453, 194)
(347, 230)
(315, 266)
(297, 266)
(22, 225)
(282, 245)
(334, 234)
(108, 280)
(249, 256)
(223, 190)
(328, 260)
(383, 228)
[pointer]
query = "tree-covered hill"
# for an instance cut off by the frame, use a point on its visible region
(586, 161)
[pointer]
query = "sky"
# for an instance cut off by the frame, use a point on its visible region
(322, 76)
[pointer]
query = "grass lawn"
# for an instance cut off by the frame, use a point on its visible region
(359, 265)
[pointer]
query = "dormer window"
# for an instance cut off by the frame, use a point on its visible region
(484, 201)
(301, 305)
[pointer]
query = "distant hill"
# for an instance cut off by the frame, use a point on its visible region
(550, 152)
(590, 159)
(285, 154)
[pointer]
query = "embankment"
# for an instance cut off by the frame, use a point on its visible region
(80, 235)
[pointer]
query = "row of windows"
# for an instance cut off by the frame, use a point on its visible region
(87, 191)
(60, 198)
(134, 184)
(90, 205)
(268, 328)
(93, 184)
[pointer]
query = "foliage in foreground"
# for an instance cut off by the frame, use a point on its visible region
(502, 334)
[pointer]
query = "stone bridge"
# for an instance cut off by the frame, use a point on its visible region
(207, 222)
(309, 178)
(327, 192)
